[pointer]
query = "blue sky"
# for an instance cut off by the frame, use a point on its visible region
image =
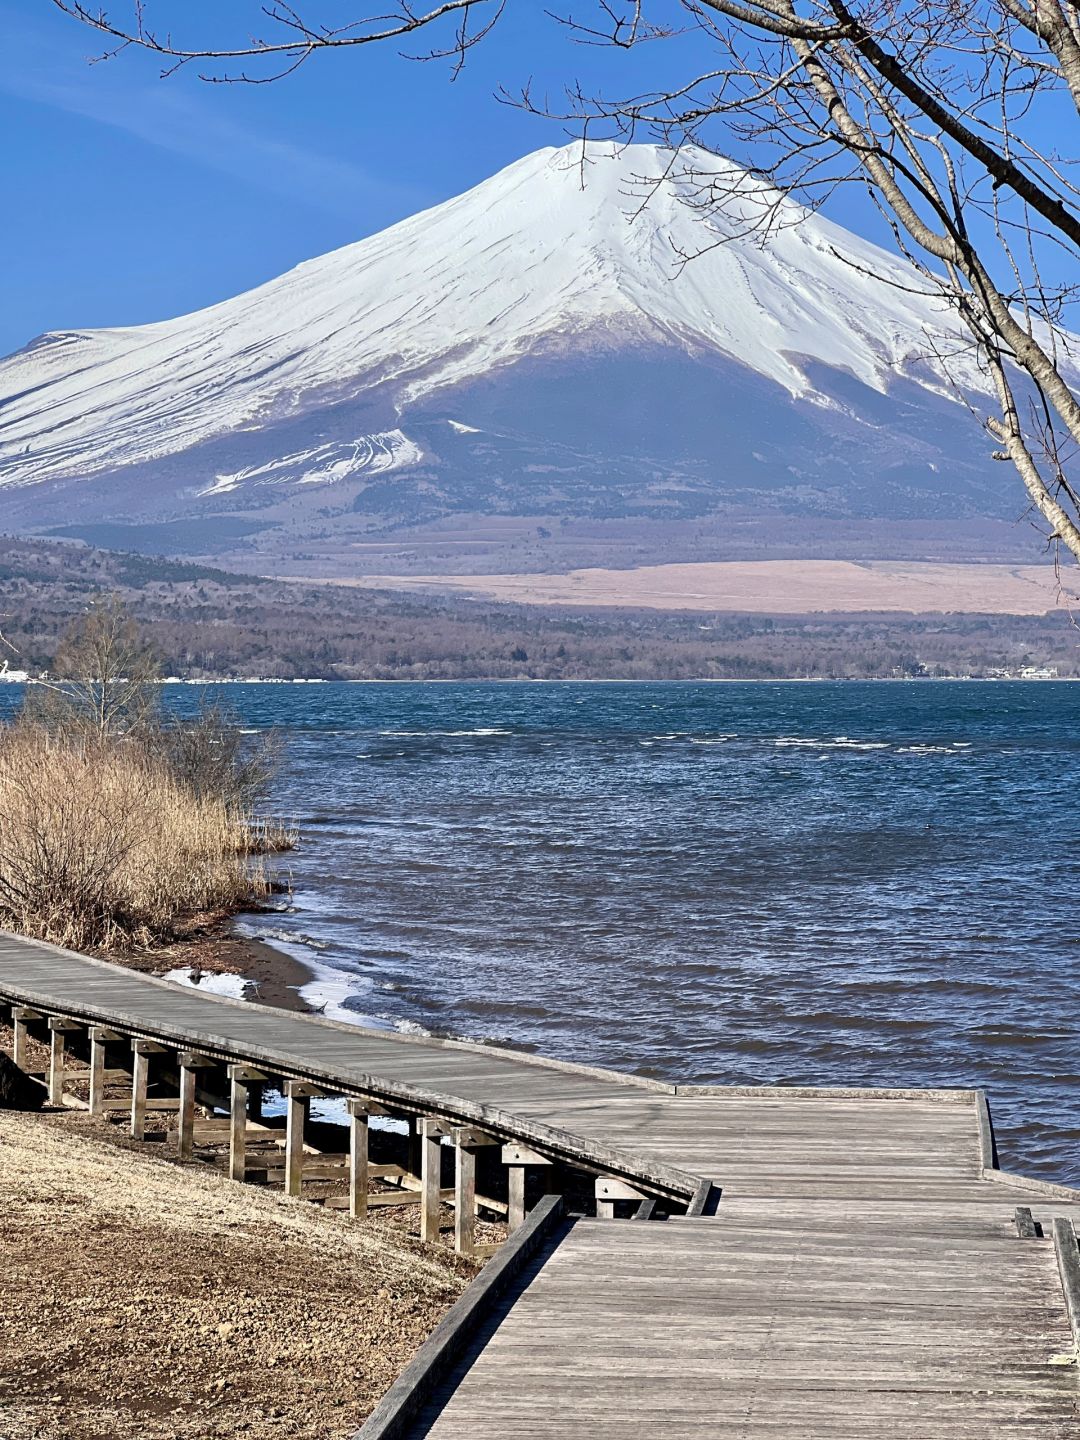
(131, 198)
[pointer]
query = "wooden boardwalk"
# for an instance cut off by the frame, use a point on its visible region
(754, 1325)
(863, 1274)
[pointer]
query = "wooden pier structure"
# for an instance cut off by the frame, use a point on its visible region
(822, 1264)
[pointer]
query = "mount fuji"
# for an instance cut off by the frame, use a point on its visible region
(577, 358)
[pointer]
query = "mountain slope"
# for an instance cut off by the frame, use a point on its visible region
(534, 348)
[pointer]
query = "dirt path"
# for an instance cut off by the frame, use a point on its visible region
(140, 1299)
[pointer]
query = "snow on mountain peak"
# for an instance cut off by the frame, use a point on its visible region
(571, 246)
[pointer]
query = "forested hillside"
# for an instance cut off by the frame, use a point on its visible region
(209, 623)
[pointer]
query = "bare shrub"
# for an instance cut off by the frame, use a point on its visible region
(101, 846)
(104, 687)
(211, 755)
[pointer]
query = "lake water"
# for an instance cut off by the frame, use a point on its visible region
(849, 884)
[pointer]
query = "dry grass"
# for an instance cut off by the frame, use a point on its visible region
(102, 846)
(144, 1301)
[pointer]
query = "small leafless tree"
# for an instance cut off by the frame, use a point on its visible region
(958, 117)
(104, 679)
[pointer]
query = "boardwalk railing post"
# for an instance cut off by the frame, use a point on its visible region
(430, 1180)
(358, 1159)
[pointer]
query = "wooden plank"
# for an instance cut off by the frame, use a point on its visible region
(474, 1138)
(605, 1187)
(380, 1199)
(522, 1155)
(705, 1199)
(117, 1107)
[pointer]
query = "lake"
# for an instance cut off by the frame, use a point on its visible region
(834, 884)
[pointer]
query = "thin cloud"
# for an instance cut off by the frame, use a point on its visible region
(187, 124)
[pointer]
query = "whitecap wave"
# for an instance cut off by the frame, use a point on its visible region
(838, 742)
(424, 734)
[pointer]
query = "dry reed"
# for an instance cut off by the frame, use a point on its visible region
(102, 846)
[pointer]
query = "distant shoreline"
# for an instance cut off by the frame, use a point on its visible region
(626, 680)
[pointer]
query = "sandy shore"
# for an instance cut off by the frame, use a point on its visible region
(213, 947)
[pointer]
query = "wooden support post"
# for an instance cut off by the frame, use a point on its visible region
(56, 1067)
(99, 1040)
(467, 1140)
(21, 1017)
(464, 1199)
(140, 1077)
(515, 1214)
(358, 1159)
(414, 1163)
(430, 1180)
(185, 1120)
(238, 1097)
(297, 1104)
(57, 1041)
(240, 1077)
(517, 1158)
(190, 1064)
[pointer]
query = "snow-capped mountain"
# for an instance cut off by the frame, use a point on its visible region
(538, 347)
